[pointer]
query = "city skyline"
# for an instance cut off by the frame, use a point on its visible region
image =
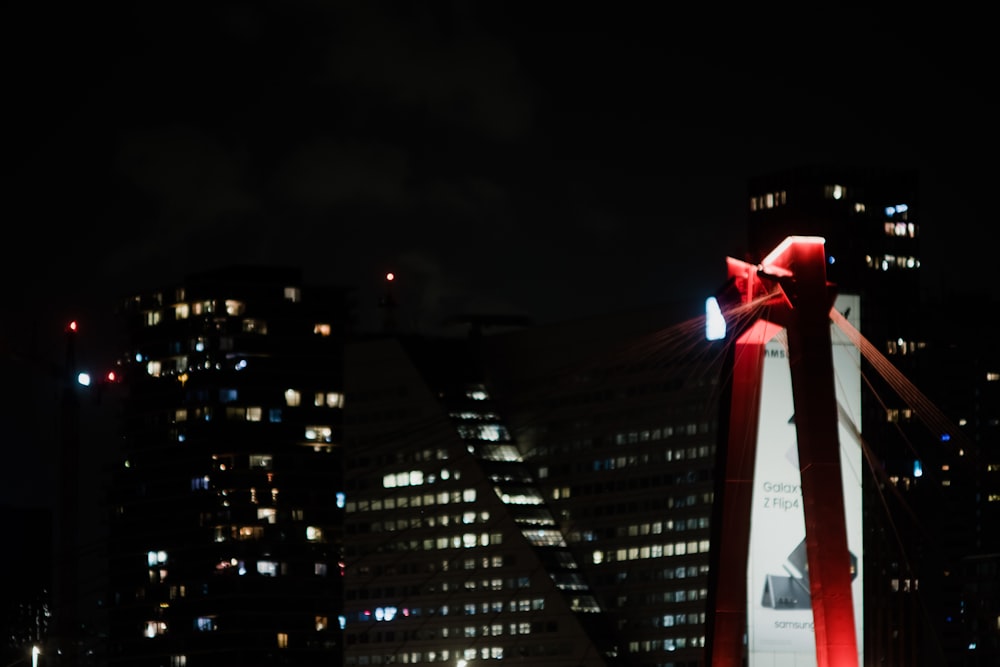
(555, 162)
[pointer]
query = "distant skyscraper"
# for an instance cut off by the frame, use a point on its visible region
(539, 496)
(227, 497)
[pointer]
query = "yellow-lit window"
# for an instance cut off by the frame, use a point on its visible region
(329, 399)
(293, 398)
(282, 640)
(322, 329)
(293, 294)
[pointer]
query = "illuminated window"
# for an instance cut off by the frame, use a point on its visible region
(268, 514)
(293, 398)
(321, 623)
(293, 294)
(477, 394)
(178, 661)
(282, 640)
(322, 329)
(182, 311)
(406, 478)
(154, 628)
(267, 568)
(205, 624)
(329, 399)
(314, 534)
(834, 191)
(248, 532)
(156, 558)
(264, 461)
(234, 307)
(319, 433)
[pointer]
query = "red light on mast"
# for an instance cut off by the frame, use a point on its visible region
(72, 326)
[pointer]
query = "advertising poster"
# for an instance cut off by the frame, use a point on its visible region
(779, 614)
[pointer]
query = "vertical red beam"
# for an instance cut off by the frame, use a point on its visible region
(729, 621)
(729, 612)
(813, 390)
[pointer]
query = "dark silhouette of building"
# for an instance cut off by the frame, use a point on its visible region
(26, 571)
(225, 535)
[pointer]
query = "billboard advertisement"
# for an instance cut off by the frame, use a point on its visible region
(779, 613)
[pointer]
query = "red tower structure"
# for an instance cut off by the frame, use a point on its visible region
(787, 290)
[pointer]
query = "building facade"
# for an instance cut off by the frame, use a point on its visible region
(453, 553)
(226, 498)
(540, 495)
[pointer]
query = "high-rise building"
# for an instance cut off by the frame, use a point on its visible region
(540, 495)
(225, 534)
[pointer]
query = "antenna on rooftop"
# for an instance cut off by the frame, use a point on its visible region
(388, 304)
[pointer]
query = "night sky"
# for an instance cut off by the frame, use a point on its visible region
(552, 159)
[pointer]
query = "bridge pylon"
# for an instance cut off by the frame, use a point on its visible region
(787, 291)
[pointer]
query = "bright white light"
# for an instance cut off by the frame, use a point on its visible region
(715, 324)
(83, 379)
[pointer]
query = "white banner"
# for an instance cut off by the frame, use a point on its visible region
(779, 614)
